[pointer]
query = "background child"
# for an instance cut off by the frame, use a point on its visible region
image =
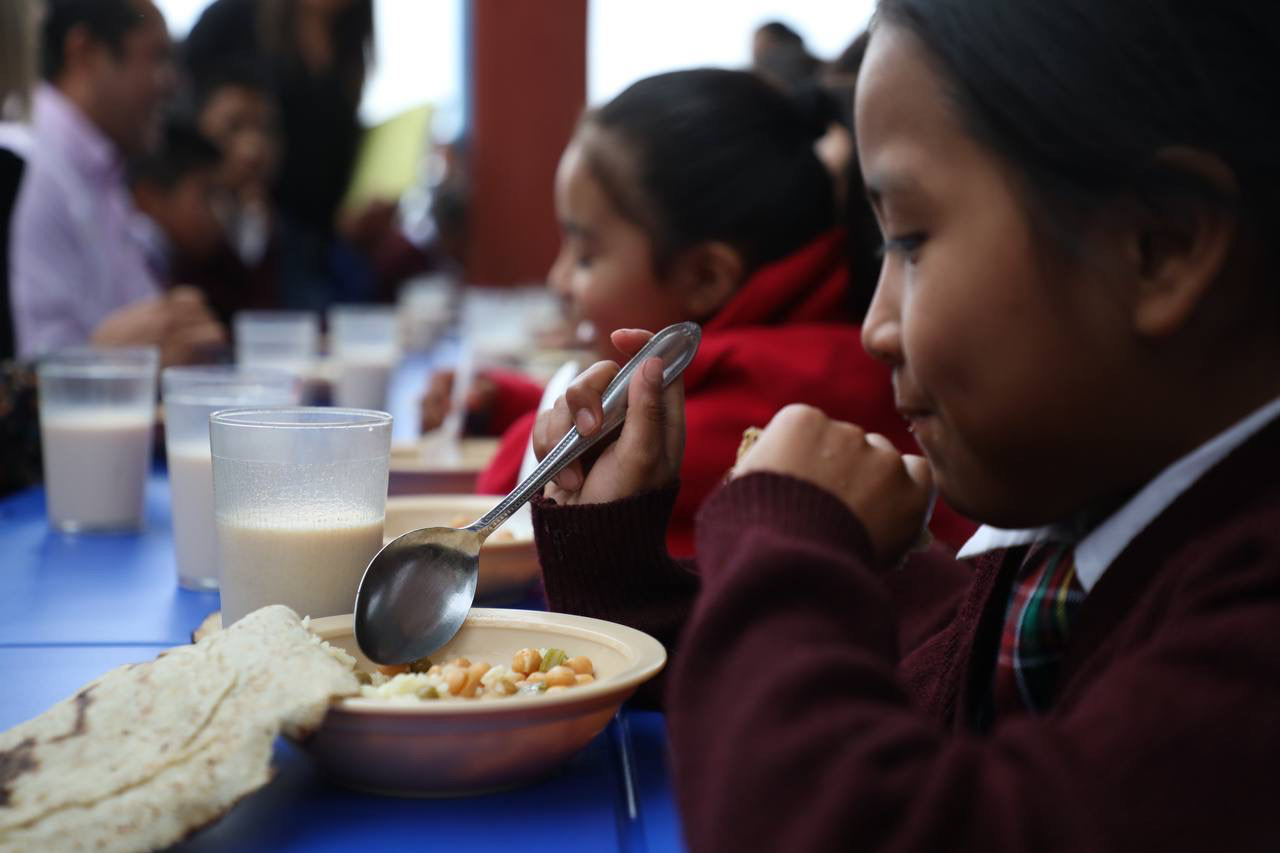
(233, 106)
(1078, 302)
(173, 189)
(697, 195)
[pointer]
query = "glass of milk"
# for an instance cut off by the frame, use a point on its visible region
(299, 498)
(97, 414)
(190, 395)
(282, 340)
(364, 347)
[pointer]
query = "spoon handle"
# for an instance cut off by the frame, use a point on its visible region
(675, 345)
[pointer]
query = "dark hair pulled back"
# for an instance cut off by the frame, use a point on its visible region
(713, 155)
(1087, 98)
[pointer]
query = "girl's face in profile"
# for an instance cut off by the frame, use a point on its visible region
(604, 270)
(1005, 357)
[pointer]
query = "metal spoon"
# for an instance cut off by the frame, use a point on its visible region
(416, 592)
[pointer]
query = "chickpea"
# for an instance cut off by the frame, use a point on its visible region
(436, 669)
(585, 678)
(536, 677)
(390, 670)
(581, 665)
(461, 662)
(456, 678)
(558, 688)
(526, 661)
(561, 676)
(471, 679)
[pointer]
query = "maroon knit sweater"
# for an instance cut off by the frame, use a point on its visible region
(796, 724)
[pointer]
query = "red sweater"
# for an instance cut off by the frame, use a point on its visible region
(798, 724)
(785, 337)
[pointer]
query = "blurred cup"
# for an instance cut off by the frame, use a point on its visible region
(425, 306)
(442, 445)
(364, 348)
(281, 340)
(299, 499)
(97, 414)
(190, 395)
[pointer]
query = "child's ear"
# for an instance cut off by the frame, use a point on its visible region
(707, 275)
(1179, 254)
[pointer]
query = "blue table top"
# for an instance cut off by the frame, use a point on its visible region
(73, 607)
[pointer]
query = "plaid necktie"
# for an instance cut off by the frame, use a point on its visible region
(1042, 605)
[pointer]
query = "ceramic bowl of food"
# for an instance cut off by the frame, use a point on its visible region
(416, 470)
(449, 745)
(508, 559)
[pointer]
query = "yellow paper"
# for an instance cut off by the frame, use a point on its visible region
(391, 157)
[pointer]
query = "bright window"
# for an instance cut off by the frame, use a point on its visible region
(419, 50)
(629, 40)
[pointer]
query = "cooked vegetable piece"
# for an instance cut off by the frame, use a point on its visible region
(552, 659)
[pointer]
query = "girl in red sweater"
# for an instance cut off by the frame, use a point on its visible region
(697, 195)
(1079, 305)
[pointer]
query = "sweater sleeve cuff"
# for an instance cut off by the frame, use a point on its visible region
(599, 558)
(784, 504)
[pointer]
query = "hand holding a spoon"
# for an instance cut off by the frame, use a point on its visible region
(648, 451)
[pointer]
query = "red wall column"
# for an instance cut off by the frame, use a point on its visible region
(529, 83)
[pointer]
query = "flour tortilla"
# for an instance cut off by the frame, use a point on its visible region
(146, 754)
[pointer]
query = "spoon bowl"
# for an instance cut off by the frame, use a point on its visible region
(439, 564)
(417, 590)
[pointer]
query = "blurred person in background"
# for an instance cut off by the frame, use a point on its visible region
(779, 53)
(233, 106)
(19, 423)
(19, 20)
(174, 189)
(317, 53)
(79, 275)
(235, 109)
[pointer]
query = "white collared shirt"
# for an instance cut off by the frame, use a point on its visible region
(1099, 549)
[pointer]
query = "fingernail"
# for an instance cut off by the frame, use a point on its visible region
(585, 420)
(652, 369)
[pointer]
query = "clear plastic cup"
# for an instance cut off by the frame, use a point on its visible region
(426, 306)
(97, 416)
(280, 340)
(364, 348)
(190, 395)
(299, 499)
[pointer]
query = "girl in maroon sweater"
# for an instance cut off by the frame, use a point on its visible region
(1079, 305)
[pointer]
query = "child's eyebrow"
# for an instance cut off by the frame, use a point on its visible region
(880, 185)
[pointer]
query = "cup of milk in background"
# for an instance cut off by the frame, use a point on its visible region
(364, 347)
(97, 416)
(279, 340)
(299, 500)
(191, 395)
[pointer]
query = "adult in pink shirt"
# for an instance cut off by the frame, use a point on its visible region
(79, 272)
